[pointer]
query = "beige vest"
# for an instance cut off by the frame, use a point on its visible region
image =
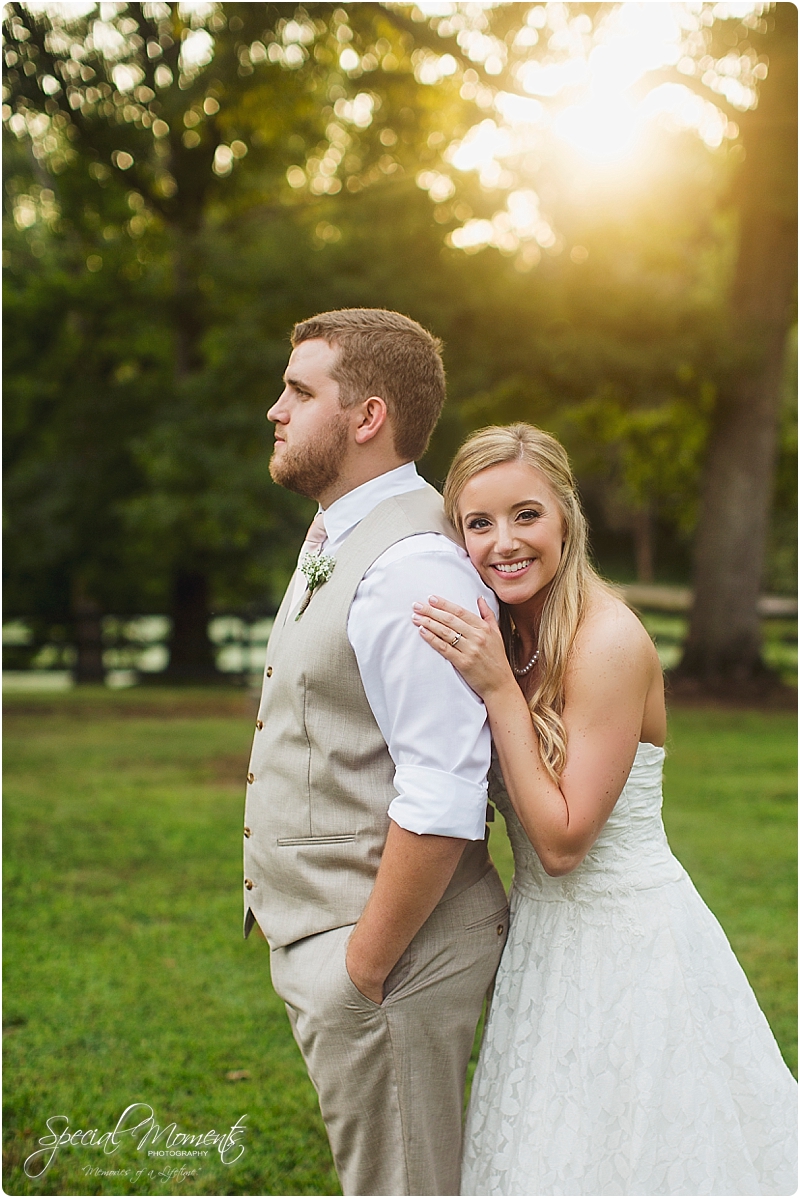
(320, 778)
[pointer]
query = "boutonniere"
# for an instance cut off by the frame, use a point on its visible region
(317, 568)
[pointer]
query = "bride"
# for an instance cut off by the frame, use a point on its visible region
(624, 1051)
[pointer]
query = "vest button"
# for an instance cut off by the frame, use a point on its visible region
(500, 929)
(251, 777)
(259, 724)
(248, 884)
(269, 671)
(247, 831)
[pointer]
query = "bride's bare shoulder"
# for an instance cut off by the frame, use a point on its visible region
(611, 630)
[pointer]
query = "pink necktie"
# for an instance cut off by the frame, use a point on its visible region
(315, 536)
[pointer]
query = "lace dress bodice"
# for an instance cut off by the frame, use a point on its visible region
(631, 852)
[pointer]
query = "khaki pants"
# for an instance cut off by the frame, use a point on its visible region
(390, 1077)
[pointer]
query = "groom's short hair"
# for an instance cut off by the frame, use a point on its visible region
(386, 354)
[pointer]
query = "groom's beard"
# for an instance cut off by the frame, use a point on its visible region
(312, 468)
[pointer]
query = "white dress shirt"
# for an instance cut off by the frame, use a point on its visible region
(434, 725)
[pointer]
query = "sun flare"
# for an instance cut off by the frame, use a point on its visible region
(586, 98)
(589, 94)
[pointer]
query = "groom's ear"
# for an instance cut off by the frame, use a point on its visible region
(372, 416)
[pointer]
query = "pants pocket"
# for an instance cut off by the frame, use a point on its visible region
(356, 994)
(393, 984)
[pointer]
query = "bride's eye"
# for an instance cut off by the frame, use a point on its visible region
(528, 514)
(477, 523)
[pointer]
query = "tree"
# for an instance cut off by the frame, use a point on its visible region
(128, 99)
(747, 67)
(85, 363)
(238, 114)
(724, 634)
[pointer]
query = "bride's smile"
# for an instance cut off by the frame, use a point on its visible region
(512, 567)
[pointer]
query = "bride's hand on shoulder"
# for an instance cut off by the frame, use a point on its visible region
(472, 643)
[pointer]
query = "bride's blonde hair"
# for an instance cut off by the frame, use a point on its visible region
(566, 601)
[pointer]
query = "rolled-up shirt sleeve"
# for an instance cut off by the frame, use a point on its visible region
(434, 725)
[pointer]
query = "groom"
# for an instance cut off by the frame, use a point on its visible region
(365, 856)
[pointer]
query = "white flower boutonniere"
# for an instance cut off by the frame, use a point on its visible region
(317, 569)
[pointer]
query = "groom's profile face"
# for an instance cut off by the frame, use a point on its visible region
(311, 427)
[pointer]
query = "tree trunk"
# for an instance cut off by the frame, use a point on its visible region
(643, 545)
(725, 635)
(186, 318)
(191, 655)
(87, 616)
(724, 639)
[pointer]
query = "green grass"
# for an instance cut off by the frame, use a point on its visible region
(731, 815)
(126, 976)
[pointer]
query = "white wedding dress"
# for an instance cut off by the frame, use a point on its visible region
(625, 1052)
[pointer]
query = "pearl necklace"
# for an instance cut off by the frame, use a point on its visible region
(520, 673)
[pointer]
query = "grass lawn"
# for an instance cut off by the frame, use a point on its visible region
(126, 978)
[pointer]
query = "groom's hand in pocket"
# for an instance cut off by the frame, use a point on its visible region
(370, 988)
(413, 875)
